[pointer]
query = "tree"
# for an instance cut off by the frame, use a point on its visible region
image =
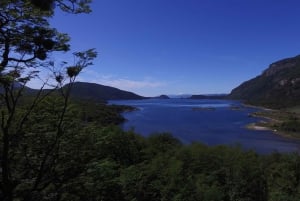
(26, 40)
(73, 6)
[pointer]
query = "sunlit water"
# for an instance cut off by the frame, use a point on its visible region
(221, 124)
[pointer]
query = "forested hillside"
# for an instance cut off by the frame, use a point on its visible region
(277, 87)
(92, 91)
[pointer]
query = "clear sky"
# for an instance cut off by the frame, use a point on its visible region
(154, 47)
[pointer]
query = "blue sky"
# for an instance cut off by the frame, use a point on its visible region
(154, 47)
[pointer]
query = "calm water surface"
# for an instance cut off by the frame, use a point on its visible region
(222, 125)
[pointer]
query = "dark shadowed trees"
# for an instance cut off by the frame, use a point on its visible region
(26, 41)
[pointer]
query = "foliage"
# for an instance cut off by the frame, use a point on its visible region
(71, 6)
(31, 135)
(284, 121)
(101, 113)
(291, 125)
(101, 162)
(193, 172)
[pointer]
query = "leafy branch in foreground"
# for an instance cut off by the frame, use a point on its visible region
(71, 6)
(28, 154)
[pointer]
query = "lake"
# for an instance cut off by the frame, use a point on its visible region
(212, 122)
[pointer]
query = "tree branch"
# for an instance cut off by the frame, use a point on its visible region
(22, 60)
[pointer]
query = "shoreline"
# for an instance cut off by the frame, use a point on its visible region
(258, 107)
(254, 126)
(283, 134)
(270, 123)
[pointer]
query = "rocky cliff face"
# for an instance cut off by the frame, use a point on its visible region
(282, 65)
(278, 86)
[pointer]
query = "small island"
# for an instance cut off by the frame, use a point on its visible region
(211, 96)
(163, 97)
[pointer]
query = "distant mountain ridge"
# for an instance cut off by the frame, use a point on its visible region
(89, 91)
(162, 97)
(212, 96)
(277, 87)
(93, 91)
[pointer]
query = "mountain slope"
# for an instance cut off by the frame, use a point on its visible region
(277, 87)
(18, 86)
(84, 90)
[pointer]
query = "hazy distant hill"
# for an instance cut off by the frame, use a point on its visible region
(162, 97)
(89, 91)
(212, 96)
(17, 86)
(84, 90)
(179, 96)
(277, 87)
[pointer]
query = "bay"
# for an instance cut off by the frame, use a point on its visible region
(212, 122)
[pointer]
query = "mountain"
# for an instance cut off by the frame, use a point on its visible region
(17, 86)
(211, 96)
(88, 91)
(162, 97)
(179, 95)
(92, 91)
(277, 87)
